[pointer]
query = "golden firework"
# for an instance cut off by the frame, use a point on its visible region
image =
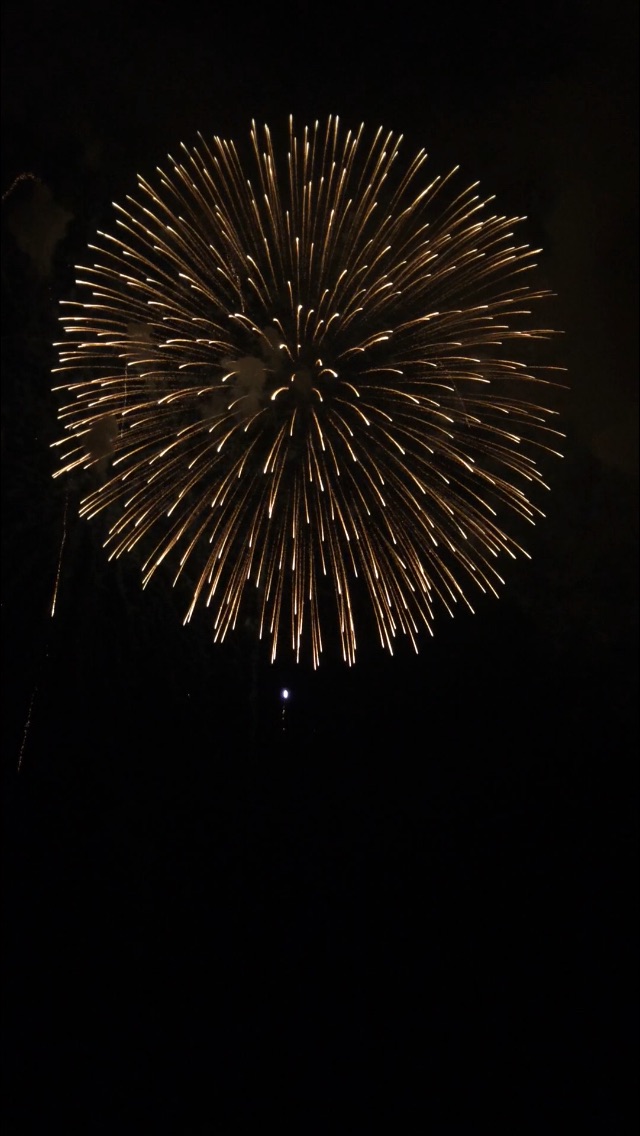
(297, 377)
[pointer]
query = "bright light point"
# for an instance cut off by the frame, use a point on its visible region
(284, 694)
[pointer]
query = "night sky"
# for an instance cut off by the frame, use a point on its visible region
(414, 906)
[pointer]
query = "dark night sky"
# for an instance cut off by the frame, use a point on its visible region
(415, 906)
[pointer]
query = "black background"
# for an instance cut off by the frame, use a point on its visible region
(415, 904)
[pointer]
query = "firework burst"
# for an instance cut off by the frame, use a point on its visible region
(296, 378)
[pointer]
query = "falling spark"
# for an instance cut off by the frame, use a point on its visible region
(27, 726)
(297, 377)
(62, 544)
